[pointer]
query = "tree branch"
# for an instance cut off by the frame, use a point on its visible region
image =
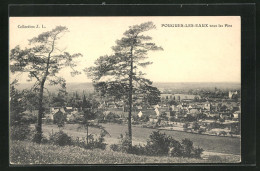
(35, 76)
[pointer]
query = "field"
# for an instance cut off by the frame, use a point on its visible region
(216, 149)
(22, 152)
(211, 144)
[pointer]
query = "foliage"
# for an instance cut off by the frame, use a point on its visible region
(215, 125)
(172, 102)
(159, 144)
(34, 137)
(224, 133)
(59, 100)
(60, 138)
(235, 128)
(195, 126)
(186, 125)
(19, 123)
(92, 142)
(190, 118)
(151, 95)
(112, 117)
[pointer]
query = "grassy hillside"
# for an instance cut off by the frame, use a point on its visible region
(23, 152)
(30, 153)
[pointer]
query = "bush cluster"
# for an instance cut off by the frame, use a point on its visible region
(60, 138)
(159, 144)
(92, 142)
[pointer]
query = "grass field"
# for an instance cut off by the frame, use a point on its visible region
(25, 153)
(209, 143)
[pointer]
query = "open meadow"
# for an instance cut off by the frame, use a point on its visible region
(212, 144)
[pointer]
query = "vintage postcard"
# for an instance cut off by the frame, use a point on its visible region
(125, 90)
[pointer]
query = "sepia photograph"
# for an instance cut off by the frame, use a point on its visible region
(124, 90)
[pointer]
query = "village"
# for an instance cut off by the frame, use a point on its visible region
(176, 112)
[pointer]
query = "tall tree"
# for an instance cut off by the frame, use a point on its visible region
(129, 54)
(42, 60)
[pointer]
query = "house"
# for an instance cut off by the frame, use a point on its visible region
(140, 114)
(194, 111)
(55, 109)
(157, 112)
(156, 106)
(236, 114)
(168, 114)
(59, 116)
(153, 119)
(49, 116)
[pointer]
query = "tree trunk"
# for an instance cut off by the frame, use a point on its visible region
(40, 113)
(130, 101)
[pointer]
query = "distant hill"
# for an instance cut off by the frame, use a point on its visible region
(197, 85)
(71, 87)
(88, 87)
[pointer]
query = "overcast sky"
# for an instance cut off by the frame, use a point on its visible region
(191, 54)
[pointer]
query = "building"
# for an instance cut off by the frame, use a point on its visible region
(181, 97)
(236, 114)
(231, 93)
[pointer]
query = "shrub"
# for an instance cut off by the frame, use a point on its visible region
(111, 117)
(35, 137)
(224, 133)
(159, 144)
(93, 143)
(138, 150)
(186, 125)
(176, 149)
(124, 146)
(197, 152)
(187, 147)
(99, 142)
(60, 138)
(20, 132)
(195, 126)
(115, 147)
